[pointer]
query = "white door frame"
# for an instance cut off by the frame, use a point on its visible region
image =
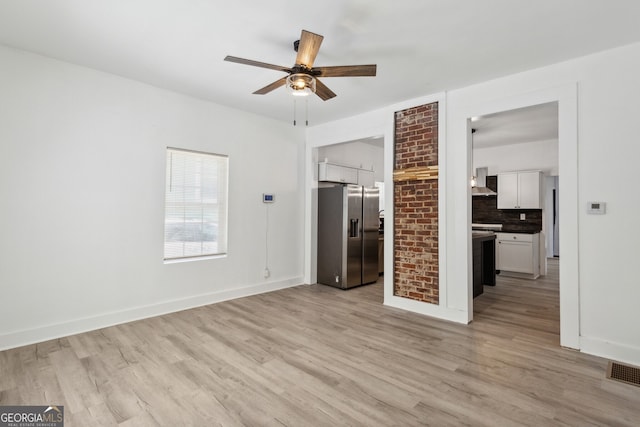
(567, 98)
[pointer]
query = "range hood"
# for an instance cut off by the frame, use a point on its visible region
(481, 189)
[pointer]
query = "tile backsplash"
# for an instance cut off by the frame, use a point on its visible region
(484, 210)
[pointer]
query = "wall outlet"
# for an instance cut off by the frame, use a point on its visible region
(267, 273)
(523, 217)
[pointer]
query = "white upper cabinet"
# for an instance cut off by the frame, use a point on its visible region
(366, 178)
(345, 174)
(508, 190)
(529, 194)
(520, 190)
(336, 173)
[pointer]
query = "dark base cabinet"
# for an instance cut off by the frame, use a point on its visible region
(484, 262)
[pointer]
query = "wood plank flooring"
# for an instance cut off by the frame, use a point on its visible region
(319, 356)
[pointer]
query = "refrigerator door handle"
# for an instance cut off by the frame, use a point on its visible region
(354, 227)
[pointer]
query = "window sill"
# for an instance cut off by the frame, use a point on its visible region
(196, 258)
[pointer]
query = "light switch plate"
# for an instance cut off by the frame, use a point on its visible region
(268, 198)
(596, 208)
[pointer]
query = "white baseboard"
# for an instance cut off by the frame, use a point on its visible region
(610, 350)
(76, 326)
(432, 310)
(519, 275)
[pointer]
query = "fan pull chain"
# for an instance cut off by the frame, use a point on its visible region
(306, 111)
(294, 111)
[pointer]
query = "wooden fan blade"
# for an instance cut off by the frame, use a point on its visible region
(256, 63)
(272, 86)
(308, 48)
(323, 91)
(345, 71)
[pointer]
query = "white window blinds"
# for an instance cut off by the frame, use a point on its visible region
(195, 218)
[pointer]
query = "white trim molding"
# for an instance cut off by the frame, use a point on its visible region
(76, 326)
(567, 98)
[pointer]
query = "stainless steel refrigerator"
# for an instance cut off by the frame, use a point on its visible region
(347, 235)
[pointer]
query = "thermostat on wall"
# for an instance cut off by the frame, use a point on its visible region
(268, 198)
(596, 208)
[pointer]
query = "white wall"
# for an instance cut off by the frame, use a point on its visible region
(606, 161)
(82, 170)
(538, 155)
(599, 250)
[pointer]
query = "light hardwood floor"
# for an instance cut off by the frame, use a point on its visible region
(319, 356)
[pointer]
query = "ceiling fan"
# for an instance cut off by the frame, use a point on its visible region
(302, 78)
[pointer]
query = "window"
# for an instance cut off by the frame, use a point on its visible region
(195, 216)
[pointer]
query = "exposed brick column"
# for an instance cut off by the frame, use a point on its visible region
(416, 206)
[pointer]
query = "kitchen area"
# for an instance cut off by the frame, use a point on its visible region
(350, 242)
(506, 227)
(514, 182)
(514, 201)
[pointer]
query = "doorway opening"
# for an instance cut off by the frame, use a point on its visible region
(365, 157)
(517, 150)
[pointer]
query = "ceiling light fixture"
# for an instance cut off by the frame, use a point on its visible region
(301, 84)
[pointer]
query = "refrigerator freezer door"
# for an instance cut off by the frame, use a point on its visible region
(371, 222)
(332, 231)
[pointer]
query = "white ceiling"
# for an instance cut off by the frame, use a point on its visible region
(529, 124)
(421, 46)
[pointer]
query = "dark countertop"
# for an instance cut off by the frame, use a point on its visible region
(508, 230)
(482, 235)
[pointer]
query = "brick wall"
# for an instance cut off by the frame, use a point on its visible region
(416, 206)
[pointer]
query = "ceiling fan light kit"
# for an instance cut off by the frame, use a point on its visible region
(300, 84)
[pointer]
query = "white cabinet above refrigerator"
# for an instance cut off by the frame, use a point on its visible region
(336, 173)
(331, 172)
